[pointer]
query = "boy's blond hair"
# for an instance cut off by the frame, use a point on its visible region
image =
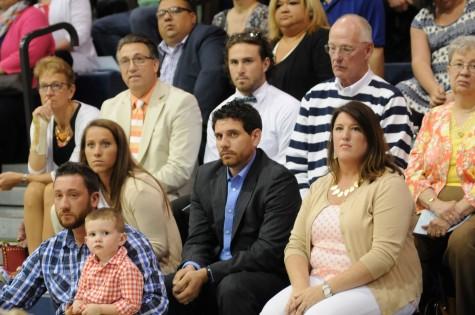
(110, 215)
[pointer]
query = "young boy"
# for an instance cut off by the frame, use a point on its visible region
(110, 283)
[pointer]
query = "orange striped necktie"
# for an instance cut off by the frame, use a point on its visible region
(136, 127)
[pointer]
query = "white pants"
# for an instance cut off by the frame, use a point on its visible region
(357, 301)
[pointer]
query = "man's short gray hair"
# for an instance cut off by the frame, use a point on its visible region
(461, 45)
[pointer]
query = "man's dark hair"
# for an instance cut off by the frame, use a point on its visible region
(191, 4)
(91, 179)
(133, 39)
(239, 110)
(252, 37)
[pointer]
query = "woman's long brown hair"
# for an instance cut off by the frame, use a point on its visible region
(377, 159)
(124, 166)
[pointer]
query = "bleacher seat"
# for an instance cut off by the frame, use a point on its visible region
(395, 72)
(95, 87)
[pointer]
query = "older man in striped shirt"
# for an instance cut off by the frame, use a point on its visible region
(350, 47)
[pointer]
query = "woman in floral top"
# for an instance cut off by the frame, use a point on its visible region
(245, 15)
(441, 177)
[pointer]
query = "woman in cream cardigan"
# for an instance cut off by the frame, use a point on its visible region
(127, 187)
(351, 250)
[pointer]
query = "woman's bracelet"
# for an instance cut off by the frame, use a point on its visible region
(431, 200)
(24, 178)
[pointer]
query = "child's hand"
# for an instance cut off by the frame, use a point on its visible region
(69, 310)
(76, 307)
(92, 309)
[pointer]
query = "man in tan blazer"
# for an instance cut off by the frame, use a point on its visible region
(167, 139)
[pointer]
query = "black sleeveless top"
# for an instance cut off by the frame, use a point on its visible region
(63, 154)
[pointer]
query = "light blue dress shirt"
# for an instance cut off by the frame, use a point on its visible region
(171, 56)
(234, 189)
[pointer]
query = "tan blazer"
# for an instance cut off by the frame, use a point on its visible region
(171, 136)
(376, 223)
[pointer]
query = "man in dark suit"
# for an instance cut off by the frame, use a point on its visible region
(243, 207)
(191, 55)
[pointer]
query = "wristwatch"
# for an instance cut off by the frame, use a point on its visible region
(327, 290)
(209, 272)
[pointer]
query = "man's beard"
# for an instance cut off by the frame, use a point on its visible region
(79, 220)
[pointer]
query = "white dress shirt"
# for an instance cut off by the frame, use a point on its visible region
(278, 111)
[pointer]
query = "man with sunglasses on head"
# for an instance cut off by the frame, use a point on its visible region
(163, 123)
(191, 55)
(248, 56)
(350, 47)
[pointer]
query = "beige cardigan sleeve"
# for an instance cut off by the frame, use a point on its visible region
(297, 240)
(143, 208)
(391, 209)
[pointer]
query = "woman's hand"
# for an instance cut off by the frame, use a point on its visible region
(307, 298)
(446, 211)
(437, 227)
(463, 208)
(44, 111)
(8, 180)
(291, 306)
(437, 96)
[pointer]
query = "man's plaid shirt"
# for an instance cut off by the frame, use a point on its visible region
(55, 266)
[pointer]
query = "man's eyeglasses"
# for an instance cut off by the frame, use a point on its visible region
(344, 50)
(55, 86)
(172, 11)
(459, 66)
(137, 60)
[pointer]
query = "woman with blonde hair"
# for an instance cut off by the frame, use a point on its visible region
(127, 187)
(55, 133)
(299, 31)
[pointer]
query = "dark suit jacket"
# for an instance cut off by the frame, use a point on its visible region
(265, 212)
(200, 70)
